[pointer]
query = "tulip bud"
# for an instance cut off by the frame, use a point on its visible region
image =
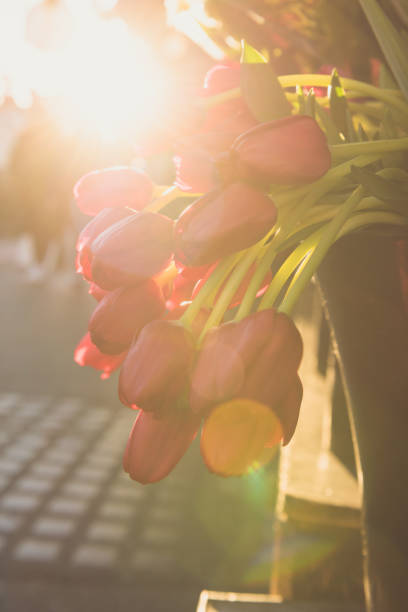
(197, 155)
(132, 250)
(286, 151)
(155, 445)
(257, 359)
(221, 77)
(122, 313)
(104, 219)
(113, 188)
(223, 222)
(97, 293)
(157, 369)
(87, 354)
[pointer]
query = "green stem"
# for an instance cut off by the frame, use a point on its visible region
(266, 260)
(288, 267)
(230, 289)
(313, 194)
(326, 182)
(364, 219)
(390, 96)
(214, 281)
(328, 237)
(253, 287)
(374, 147)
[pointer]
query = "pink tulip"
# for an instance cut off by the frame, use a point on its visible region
(122, 313)
(117, 187)
(132, 250)
(156, 445)
(156, 372)
(87, 354)
(104, 219)
(223, 222)
(286, 151)
(256, 359)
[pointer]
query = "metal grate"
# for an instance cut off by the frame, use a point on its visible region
(66, 506)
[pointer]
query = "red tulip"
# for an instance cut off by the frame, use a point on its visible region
(104, 219)
(255, 359)
(112, 188)
(183, 285)
(156, 372)
(197, 153)
(87, 354)
(223, 222)
(155, 445)
(221, 77)
(234, 112)
(122, 313)
(286, 151)
(97, 293)
(246, 383)
(132, 250)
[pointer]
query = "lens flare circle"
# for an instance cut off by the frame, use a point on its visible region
(239, 436)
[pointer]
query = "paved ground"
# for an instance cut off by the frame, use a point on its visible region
(75, 532)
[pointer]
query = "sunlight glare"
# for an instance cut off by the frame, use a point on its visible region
(112, 86)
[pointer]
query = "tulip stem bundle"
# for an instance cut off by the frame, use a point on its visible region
(390, 97)
(351, 149)
(216, 279)
(317, 254)
(270, 196)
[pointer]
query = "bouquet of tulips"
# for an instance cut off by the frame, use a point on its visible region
(196, 310)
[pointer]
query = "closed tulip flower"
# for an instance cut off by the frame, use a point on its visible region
(104, 219)
(122, 313)
(184, 283)
(197, 152)
(132, 250)
(287, 151)
(223, 222)
(97, 293)
(87, 354)
(155, 445)
(248, 370)
(112, 188)
(156, 372)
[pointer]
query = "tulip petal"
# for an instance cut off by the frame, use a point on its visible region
(113, 187)
(155, 446)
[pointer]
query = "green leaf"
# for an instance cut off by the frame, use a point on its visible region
(301, 99)
(249, 55)
(338, 103)
(362, 134)
(260, 87)
(383, 188)
(332, 133)
(351, 133)
(401, 9)
(385, 79)
(390, 41)
(388, 128)
(310, 105)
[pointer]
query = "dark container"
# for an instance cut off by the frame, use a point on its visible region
(364, 283)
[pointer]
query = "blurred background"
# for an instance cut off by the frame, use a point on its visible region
(83, 85)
